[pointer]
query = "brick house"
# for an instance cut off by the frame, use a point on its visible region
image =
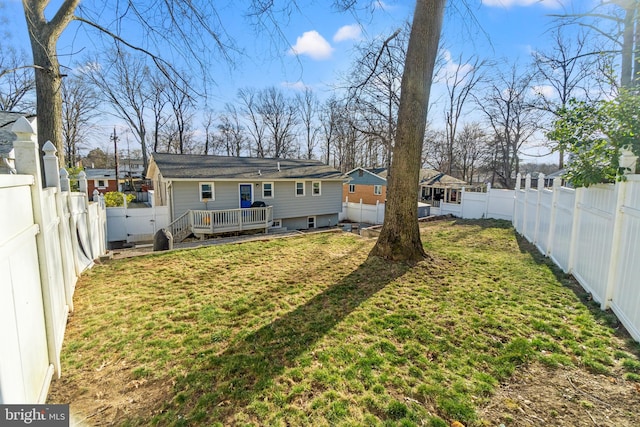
(370, 185)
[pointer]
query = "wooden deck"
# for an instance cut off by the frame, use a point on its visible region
(204, 222)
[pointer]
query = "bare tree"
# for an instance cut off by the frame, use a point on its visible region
(16, 81)
(181, 103)
(328, 122)
(158, 101)
(308, 107)
(470, 147)
(512, 118)
(279, 115)
(250, 109)
(79, 105)
(123, 81)
(374, 89)
(400, 236)
(566, 70)
(617, 22)
(232, 132)
(460, 83)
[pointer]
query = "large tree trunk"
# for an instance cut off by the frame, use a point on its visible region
(400, 236)
(44, 36)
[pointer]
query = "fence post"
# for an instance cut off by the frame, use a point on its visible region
(540, 188)
(65, 182)
(515, 205)
(462, 203)
(614, 264)
(525, 211)
(51, 166)
(557, 181)
(82, 182)
(575, 226)
(28, 162)
(488, 201)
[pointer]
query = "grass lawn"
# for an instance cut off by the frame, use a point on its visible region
(308, 331)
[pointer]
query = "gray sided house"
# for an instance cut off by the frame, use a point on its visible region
(211, 190)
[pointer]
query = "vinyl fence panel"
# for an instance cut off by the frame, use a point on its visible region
(25, 371)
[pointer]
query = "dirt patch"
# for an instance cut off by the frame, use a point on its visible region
(110, 395)
(538, 396)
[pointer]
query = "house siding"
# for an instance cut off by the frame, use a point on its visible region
(364, 193)
(366, 179)
(285, 204)
(302, 224)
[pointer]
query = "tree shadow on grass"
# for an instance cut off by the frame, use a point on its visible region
(223, 383)
(606, 317)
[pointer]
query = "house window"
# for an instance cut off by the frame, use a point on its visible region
(101, 183)
(206, 191)
(360, 172)
(352, 188)
(316, 188)
(277, 223)
(311, 222)
(267, 190)
(377, 190)
(299, 188)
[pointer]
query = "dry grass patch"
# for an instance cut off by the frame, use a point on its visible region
(308, 331)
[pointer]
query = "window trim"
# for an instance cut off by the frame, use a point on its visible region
(379, 188)
(213, 192)
(315, 223)
(352, 188)
(103, 185)
(313, 188)
(272, 193)
(276, 223)
(296, 188)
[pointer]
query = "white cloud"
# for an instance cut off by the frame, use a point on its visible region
(300, 86)
(451, 69)
(348, 32)
(544, 90)
(311, 43)
(549, 4)
(379, 4)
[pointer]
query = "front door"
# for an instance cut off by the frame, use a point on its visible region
(246, 195)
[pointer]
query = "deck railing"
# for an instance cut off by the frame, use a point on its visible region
(201, 222)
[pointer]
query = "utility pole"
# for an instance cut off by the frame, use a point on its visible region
(114, 138)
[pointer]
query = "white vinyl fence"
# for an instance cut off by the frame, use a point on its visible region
(493, 203)
(592, 233)
(360, 212)
(48, 237)
(136, 224)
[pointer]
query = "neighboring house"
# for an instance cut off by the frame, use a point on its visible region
(437, 186)
(103, 180)
(131, 168)
(7, 119)
(368, 185)
(211, 190)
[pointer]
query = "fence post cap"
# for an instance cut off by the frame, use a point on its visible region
(49, 149)
(64, 173)
(22, 126)
(82, 175)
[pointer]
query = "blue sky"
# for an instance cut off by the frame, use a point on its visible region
(320, 42)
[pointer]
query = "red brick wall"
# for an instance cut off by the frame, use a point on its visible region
(364, 192)
(110, 186)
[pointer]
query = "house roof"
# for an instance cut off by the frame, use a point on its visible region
(427, 176)
(188, 166)
(7, 119)
(439, 179)
(100, 173)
